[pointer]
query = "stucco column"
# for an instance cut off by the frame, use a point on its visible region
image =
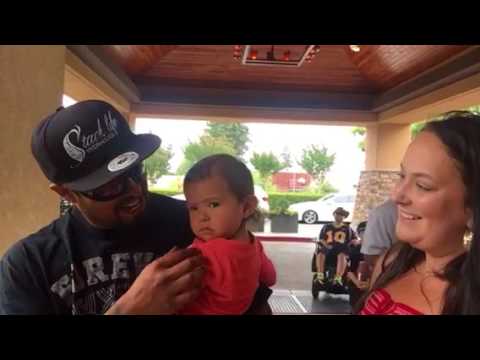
(385, 146)
(31, 86)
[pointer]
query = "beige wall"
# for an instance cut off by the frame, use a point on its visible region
(385, 145)
(82, 83)
(31, 85)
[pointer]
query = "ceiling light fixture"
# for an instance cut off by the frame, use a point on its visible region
(275, 55)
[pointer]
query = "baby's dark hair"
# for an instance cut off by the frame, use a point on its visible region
(235, 173)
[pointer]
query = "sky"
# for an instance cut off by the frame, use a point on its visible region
(276, 138)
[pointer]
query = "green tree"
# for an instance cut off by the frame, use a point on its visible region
(475, 109)
(361, 132)
(158, 163)
(235, 133)
(317, 162)
(266, 164)
(325, 188)
(415, 128)
(205, 146)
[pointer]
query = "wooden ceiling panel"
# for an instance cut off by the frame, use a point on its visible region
(389, 65)
(331, 70)
(336, 68)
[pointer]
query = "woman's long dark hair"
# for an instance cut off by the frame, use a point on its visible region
(460, 133)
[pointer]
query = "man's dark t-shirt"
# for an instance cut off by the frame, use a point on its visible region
(69, 267)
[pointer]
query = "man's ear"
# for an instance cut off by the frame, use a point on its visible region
(67, 194)
(250, 205)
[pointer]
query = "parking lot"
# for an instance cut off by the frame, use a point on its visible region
(292, 259)
(292, 262)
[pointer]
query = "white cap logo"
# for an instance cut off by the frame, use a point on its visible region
(122, 161)
(73, 151)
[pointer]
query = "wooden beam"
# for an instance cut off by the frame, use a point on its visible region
(108, 70)
(456, 96)
(250, 97)
(253, 114)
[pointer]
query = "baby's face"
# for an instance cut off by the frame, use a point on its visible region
(214, 210)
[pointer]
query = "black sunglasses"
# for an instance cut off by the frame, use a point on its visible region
(117, 186)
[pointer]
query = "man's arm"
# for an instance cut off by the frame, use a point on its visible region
(268, 275)
(376, 238)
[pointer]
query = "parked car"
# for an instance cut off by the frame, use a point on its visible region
(262, 198)
(321, 210)
(261, 195)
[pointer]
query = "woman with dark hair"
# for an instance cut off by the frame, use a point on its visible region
(431, 270)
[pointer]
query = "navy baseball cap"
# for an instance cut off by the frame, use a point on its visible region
(88, 144)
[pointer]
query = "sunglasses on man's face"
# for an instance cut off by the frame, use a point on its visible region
(117, 186)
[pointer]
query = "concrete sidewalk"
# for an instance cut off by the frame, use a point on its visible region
(292, 292)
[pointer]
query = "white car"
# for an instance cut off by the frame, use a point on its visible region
(261, 195)
(322, 210)
(262, 198)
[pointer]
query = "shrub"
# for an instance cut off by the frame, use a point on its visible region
(280, 200)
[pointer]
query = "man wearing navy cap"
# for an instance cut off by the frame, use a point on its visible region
(119, 249)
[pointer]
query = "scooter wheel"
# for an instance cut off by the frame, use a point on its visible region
(315, 289)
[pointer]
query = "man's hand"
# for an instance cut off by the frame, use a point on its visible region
(164, 286)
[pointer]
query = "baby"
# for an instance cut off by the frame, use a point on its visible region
(220, 198)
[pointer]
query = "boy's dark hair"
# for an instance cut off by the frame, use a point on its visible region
(235, 173)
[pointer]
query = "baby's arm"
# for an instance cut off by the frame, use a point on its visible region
(268, 275)
(201, 305)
